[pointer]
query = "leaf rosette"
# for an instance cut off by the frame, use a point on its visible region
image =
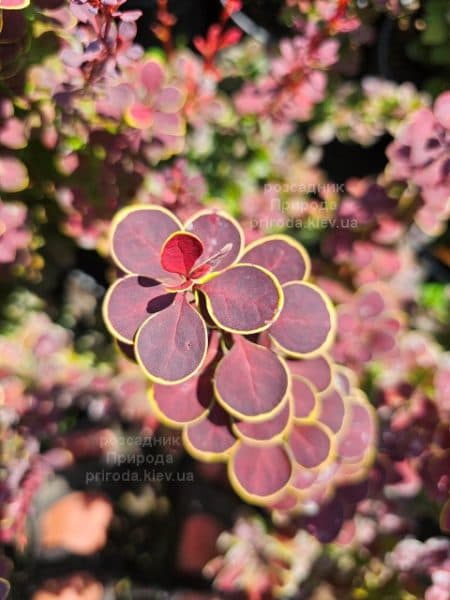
(235, 341)
(169, 268)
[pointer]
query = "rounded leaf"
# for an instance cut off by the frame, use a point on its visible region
(180, 252)
(307, 322)
(310, 444)
(167, 124)
(317, 370)
(216, 229)
(359, 434)
(260, 474)
(13, 175)
(129, 302)
(152, 76)
(182, 403)
(243, 299)
(137, 237)
(332, 410)
(281, 255)
(170, 100)
(304, 399)
(171, 345)
(273, 427)
(210, 438)
(139, 116)
(251, 382)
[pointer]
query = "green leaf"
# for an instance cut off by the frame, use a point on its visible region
(435, 297)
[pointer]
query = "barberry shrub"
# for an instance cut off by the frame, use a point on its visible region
(235, 343)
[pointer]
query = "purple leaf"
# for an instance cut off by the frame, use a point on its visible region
(251, 382)
(129, 302)
(310, 444)
(182, 403)
(281, 255)
(138, 235)
(171, 345)
(243, 299)
(273, 427)
(304, 399)
(306, 323)
(259, 474)
(316, 370)
(210, 438)
(332, 410)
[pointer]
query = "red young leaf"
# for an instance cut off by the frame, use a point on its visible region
(230, 37)
(231, 7)
(251, 381)
(200, 44)
(180, 252)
